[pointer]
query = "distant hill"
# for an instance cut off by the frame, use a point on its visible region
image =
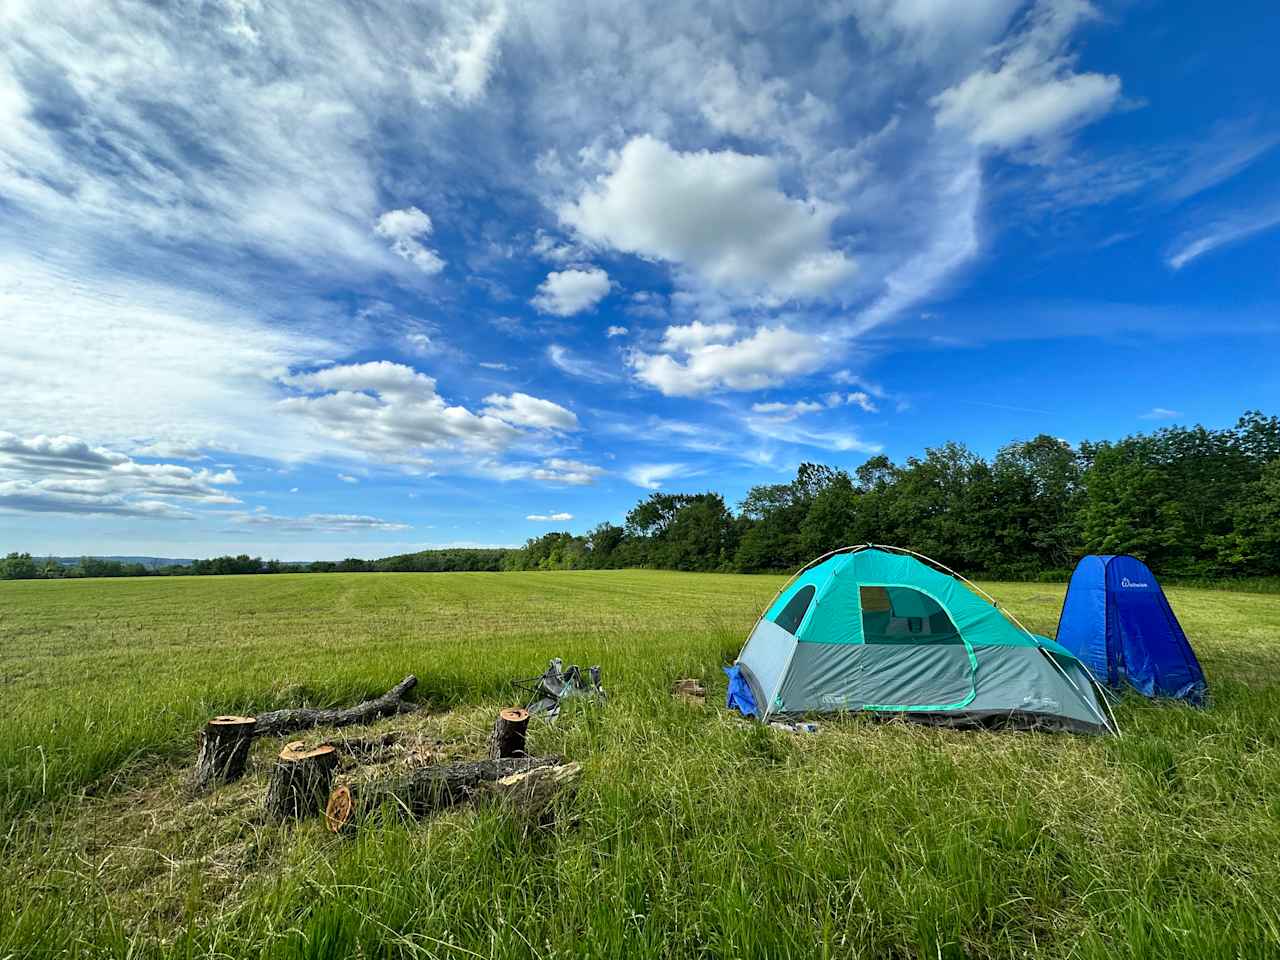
(149, 562)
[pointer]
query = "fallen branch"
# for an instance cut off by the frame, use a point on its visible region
(426, 790)
(277, 722)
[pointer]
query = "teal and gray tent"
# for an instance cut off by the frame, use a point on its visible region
(882, 629)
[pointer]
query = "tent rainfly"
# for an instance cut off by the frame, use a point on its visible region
(1117, 621)
(882, 629)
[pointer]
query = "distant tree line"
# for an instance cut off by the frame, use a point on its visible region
(1191, 502)
(22, 566)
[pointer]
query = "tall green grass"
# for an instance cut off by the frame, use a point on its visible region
(693, 834)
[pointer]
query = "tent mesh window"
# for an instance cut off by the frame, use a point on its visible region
(792, 614)
(904, 615)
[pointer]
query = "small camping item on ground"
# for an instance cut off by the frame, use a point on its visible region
(558, 684)
(689, 689)
(1116, 619)
(794, 727)
(883, 629)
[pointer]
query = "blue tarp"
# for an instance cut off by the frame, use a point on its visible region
(740, 696)
(1117, 620)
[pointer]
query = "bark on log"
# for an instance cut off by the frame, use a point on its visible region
(300, 781)
(224, 750)
(278, 722)
(509, 732)
(425, 790)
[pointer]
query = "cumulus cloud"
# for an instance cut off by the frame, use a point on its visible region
(1032, 93)
(570, 472)
(549, 517)
(720, 214)
(566, 292)
(394, 413)
(698, 358)
(651, 476)
(64, 474)
(522, 410)
(616, 332)
(405, 228)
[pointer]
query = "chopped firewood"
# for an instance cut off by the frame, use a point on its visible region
(300, 781)
(509, 731)
(278, 722)
(224, 750)
(425, 790)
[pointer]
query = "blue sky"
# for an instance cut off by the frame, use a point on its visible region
(358, 279)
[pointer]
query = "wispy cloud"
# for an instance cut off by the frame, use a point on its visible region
(1159, 413)
(549, 517)
(652, 476)
(1221, 232)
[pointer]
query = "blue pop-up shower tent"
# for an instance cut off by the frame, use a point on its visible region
(1117, 621)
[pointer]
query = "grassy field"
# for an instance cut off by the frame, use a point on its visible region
(693, 834)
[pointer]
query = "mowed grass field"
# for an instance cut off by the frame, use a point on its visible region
(693, 834)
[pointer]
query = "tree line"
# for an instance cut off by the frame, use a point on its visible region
(1191, 502)
(22, 566)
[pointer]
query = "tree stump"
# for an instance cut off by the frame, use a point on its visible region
(224, 749)
(300, 781)
(509, 732)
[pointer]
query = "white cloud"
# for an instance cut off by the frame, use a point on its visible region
(63, 474)
(787, 411)
(694, 360)
(616, 332)
(318, 522)
(404, 228)
(347, 478)
(1221, 232)
(293, 489)
(494, 365)
(390, 411)
(1159, 413)
(197, 367)
(1032, 94)
(522, 410)
(570, 472)
(569, 362)
(549, 517)
(566, 292)
(651, 476)
(557, 471)
(720, 214)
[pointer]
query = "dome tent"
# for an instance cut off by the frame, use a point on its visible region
(1116, 619)
(880, 629)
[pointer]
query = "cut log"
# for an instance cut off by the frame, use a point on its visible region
(224, 750)
(530, 794)
(277, 722)
(300, 781)
(426, 790)
(364, 748)
(509, 732)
